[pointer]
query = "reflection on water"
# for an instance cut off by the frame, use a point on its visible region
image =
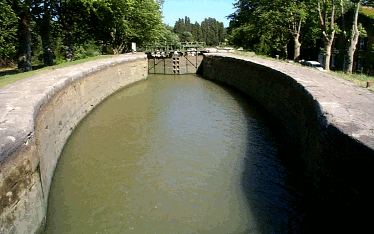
(172, 154)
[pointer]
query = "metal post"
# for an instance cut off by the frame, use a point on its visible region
(197, 54)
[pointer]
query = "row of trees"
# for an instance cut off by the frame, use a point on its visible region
(210, 31)
(268, 26)
(61, 27)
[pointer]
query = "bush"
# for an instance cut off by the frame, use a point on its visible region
(8, 33)
(88, 49)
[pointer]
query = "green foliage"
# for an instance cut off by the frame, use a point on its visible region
(369, 12)
(363, 32)
(167, 35)
(8, 32)
(210, 31)
(187, 36)
(88, 49)
(113, 24)
(267, 26)
(243, 35)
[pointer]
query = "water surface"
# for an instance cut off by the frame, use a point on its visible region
(171, 154)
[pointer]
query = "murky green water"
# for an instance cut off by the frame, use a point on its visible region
(172, 154)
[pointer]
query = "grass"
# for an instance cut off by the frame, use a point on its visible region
(358, 78)
(8, 76)
(368, 11)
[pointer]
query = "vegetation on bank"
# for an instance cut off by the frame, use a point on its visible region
(8, 76)
(53, 31)
(360, 79)
(299, 29)
(39, 33)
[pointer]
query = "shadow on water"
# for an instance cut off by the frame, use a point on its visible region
(271, 183)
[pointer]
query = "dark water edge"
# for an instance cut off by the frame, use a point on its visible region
(292, 189)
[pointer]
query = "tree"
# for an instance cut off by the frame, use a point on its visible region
(196, 31)
(69, 14)
(43, 12)
(167, 35)
(119, 22)
(326, 11)
(273, 21)
(187, 36)
(75, 23)
(8, 32)
(297, 13)
(354, 36)
(211, 29)
(179, 27)
(23, 12)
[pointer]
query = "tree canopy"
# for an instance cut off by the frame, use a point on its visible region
(210, 31)
(274, 27)
(55, 28)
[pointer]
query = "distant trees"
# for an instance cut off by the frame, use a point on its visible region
(210, 31)
(270, 26)
(58, 27)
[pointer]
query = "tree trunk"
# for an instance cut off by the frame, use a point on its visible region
(66, 29)
(24, 53)
(353, 41)
(68, 44)
(285, 50)
(297, 46)
(328, 30)
(104, 50)
(45, 30)
(328, 45)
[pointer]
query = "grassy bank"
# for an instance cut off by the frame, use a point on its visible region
(357, 78)
(9, 76)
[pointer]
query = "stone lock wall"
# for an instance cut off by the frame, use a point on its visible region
(37, 115)
(329, 123)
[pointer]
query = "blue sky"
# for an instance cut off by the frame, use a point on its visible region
(197, 10)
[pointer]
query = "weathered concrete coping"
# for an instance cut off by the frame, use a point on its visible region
(344, 104)
(20, 102)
